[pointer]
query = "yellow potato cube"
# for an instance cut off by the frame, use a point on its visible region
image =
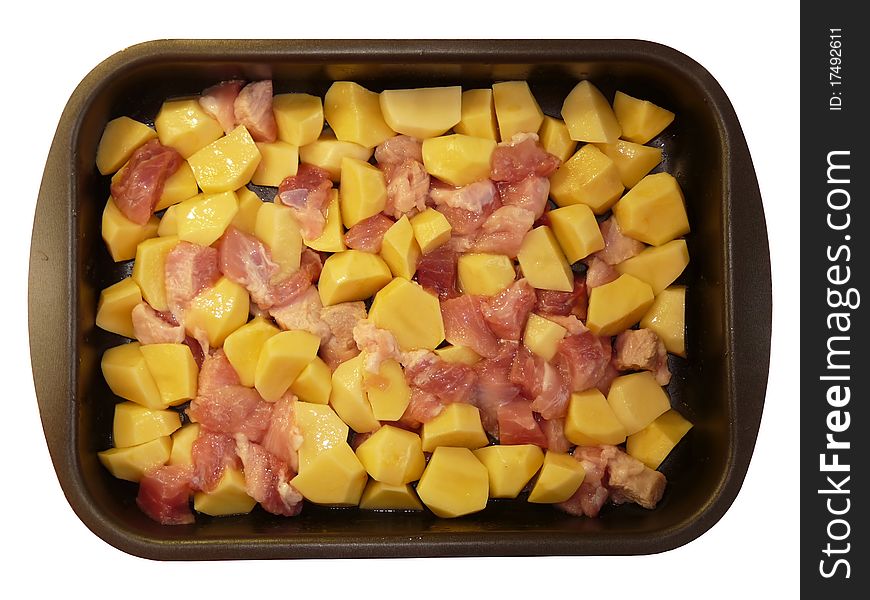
(653, 211)
(243, 347)
(458, 425)
(178, 187)
(588, 115)
(229, 496)
(383, 496)
(659, 266)
(640, 120)
(278, 160)
(169, 222)
(185, 126)
(422, 112)
(332, 238)
(182, 444)
(458, 159)
(543, 264)
(219, 311)
(591, 421)
(131, 463)
(616, 306)
(314, 383)
(555, 138)
(633, 161)
(392, 455)
(577, 231)
(348, 398)
(478, 115)
(148, 270)
(652, 444)
(226, 164)
(114, 311)
(485, 274)
(334, 477)
(387, 391)
(516, 109)
(278, 229)
(125, 370)
(458, 354)
(320, 428)
(327, 152)
(282, 358)
(400, 249)
(120, 139)
(203, 219)
(431, 229)
(589, 177)
(123, 236)
(363, 191)
(134, 424)
(454, 483)
(354, 114)
(667, 318)
(246, 217)
(411, 313)
(174, 371)
(352, 275)
(299, 117)
(542, 336)
(559, 478)
(637, 400)
(510, 468)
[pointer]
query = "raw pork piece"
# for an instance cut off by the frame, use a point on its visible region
(520, 158)
(401, 160)
(464, 325)
(267, 479)
(189, 269)
(448, 382)
(575, 302)
(642, 350)
(506, 313)
(376, 344)
(617, 247)
(530, 193)
(436, 272)
(303, 313)
(283, 437)
(368, 234)
(138, 189)
(341, 319)
(598, 273)
(517, 425)
(211, 454)
(152, 327)
(164, 494)
(253, 109)
(218, 101)
(308, 194)
(582, 359)
(504, 230)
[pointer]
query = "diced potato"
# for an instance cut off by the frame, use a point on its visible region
(249, 205)
(120, 139)
(123, 236)
(422, 112)
(387, 391)
(589, 177)
(458, 425)
(652, 444)
(203, 219)
(185, 126)
(182, 444)
(653, 211)
(659, 266)
(431, 229)
(348, 397)
(327, 152)
(542, 336)
(114, 311)
(392, 455)
(354, 114)
(555, 138)
(458, 354)
(637, 400)
(667, 317)
(334, 477)
(411, 313)
(148, 270)
(478, 115)
(616, 306)
(640, 120)
(219, 311)
(363, 191)
(174, 371)
(243, 347)
(131, 463)
(543, 263)
(454, 483)
(591, 421)
(321, 429)
(299, 117)
(279, 230)
(400, 249)
(226, 164)
(510, 468)
(458, 159)
(134, 424)
(229, 496)
(560, 476)
(577, 231)
(516, 109)
(332, 238)
(314, 383)
(485, 274)
(178, 187)
(352, 275)
(633, 161)
(382, 496)
(278, 160)
(125, 370)
(169, 221)
(282, 358)
(588, 115)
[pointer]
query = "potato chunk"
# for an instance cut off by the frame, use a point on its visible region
(392, 455)
(422, 112)
(383, 496)
(278, 229)
(281, 360)
(348, 398)
(555, 138)
(667, 317)
(169, 221)
(411, 313)
(334, 477)
(543, 263)
(278, 160)
(174, 371)
(483, 274)
(458, 159)
(616, 306)
(510, 468)
(352, 275)
(542, 336)
(125, 370)
(314, 383)
(400, 249)
(653, 211)
(226, 164)
(516, 109)
(652, 444)
(332, 238)
(115, 309)
(219, 311)
(244, 345)
(327, 152)
(387, 391)
(431, 229)
(363, 191)
(637, 400)
(321, 429)
(633, 161)
(134, 424)
(120, 139)
(588, 115)
(203, 219)
(577, 230)
(354, 114)
(454, 483)
(458, 354)
(185, 126)
(458, 425)
(131, 463)
(478, 115)
(249, 205)
(123, 236)
(659, 266)
(182, 444)
(149, 270)
(299, 118)
(640, 120)
(589, 177)
(591, 421)
(229, 496)
(559, 478)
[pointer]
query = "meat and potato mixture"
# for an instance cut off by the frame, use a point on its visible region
(406, 300)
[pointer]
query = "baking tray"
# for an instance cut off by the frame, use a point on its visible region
(720, 387)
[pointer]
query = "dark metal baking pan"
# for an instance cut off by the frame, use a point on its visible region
(720, 387)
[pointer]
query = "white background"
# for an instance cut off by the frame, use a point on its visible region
(750, 47)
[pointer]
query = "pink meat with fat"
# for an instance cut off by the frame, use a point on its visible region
(253, 109)
(303, 313)
(218, 101)
(448, 382)
(368, 234)
(189, 269)
(267, 479)
(152, 327)
(464, 325)
(422, 408)
(575, 302)
(530, 193)
(307, 193)
(522, 157)
(401, 160)
(504, 230)
(138, 189)
(598, 273)
(248, 262)
(554, 431)
(582, 360)
(592, 494)
(436, 272)
(642, 350)
(164, 494)
(506, 313)
(211, 454)
(341, 319)
(517, 424)
(494, 387)
(378, 345)
(475, 197)
(283, 437)
(617, 246)
(397, 149)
